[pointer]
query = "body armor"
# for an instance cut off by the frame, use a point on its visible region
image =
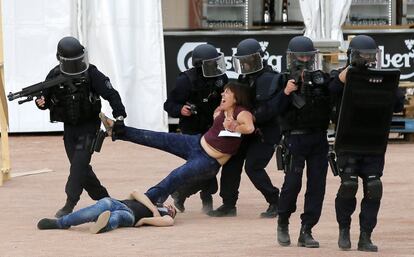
(316, 110)
(74, 102)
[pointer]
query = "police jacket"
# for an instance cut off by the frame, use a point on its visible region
(203, 93)
(265, 86)
(336, 87)
(78, 101)
(314, 115)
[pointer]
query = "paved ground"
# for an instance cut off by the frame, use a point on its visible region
(123, 167)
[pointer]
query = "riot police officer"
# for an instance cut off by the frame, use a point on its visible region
(362, 52)
(305, 108)
(257, 150)
(77, 104)
(196, 95)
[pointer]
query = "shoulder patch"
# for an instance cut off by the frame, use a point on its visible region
(108, 84)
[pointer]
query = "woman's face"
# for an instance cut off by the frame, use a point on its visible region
(227, 99)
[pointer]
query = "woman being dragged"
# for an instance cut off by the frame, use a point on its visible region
(205, 154)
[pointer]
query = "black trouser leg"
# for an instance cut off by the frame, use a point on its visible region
(231, 175)
(344, 209)
(210, 187)
(257, 158)
(94, 187)
(81, 176)
(289, 194)
(369, 212)
(206, 188)
(316, 170)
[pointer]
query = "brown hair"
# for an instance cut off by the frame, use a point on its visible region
(241, 94)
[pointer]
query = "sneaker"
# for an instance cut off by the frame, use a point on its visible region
(48, 224)
(271, 211)
(107, 122)
(101, 223)
(223, 211)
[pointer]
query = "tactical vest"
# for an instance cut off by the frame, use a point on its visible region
(74, 102)
(316, 111)
(264, 85)
(206, 96)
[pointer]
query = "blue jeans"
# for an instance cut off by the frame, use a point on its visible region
(121, 215)
(199, 166)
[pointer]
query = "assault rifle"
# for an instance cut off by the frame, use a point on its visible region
(36, 90)
(300, 78)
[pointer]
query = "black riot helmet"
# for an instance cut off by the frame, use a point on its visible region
(210, 61)
(363, 52)
(249, 57)
(301, 55)
(72, 56)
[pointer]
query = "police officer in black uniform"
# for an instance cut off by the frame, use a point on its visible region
(196, 95)
(256, 150)
(305, 107)
(361, 52)
(77, 105)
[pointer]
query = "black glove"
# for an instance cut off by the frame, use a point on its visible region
(118, 129)
(360, 63)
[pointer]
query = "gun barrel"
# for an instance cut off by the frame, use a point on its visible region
(13, 96)
(37, 88)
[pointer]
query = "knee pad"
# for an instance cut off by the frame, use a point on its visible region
(349, 187)
(373, 188)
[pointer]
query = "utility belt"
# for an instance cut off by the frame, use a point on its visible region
(91, 142)
(303, 131)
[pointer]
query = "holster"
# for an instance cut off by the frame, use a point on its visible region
(97, 141)
(332, 163)
(283, 157)
(279, 157)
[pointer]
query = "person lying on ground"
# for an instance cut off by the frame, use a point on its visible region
(109, 214)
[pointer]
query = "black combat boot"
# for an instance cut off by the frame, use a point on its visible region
(271, 211)
(67, 209)
(178, 201)
(48, 224)
(306, 239)
(207, 201)
(223, 211)
(344, 240)
(365, 244)
(283, 237)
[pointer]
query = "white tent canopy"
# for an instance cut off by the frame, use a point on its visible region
(324, 18)
(124, 40)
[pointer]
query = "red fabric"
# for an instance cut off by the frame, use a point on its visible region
(227, 145)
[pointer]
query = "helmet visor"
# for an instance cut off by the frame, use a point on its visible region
(74, 66)
(303, 60)
(368, 57)
(214, 67)
(247, 64)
